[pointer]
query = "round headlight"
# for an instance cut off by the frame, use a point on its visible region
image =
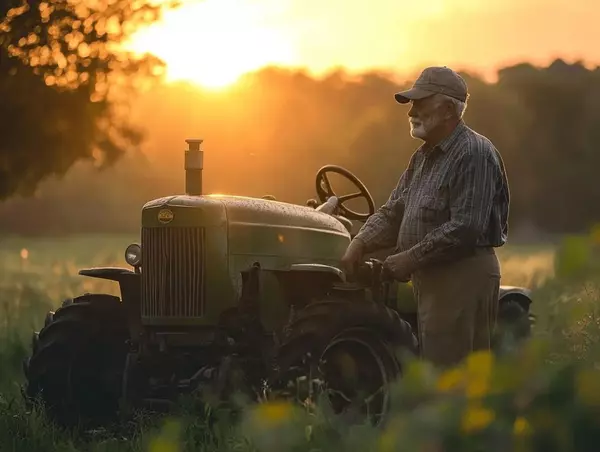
(133, 254)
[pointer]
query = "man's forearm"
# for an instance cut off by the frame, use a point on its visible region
(380, 231)
(448, 242)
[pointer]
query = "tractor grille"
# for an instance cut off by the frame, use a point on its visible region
(172, 272)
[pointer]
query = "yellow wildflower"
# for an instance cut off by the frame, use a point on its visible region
(168, 438)
(274, 412)
(477, 387)
(450, 379)
(388, 440)
(480, 363)
(163, 445)
(479, 369)
(521, 426)
(476, 418)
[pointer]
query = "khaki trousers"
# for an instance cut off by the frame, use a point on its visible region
(457, 307)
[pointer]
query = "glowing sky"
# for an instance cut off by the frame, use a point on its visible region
(212, 42)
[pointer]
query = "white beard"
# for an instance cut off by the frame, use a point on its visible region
(419, 129)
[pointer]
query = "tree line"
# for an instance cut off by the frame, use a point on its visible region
(71, 161)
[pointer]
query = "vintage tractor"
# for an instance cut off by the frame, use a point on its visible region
(231, 294)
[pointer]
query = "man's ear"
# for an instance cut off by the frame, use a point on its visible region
(448, 110)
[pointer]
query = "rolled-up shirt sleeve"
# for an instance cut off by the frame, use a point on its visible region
(472, 190)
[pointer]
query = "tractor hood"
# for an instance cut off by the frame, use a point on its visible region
(212, 238)
(214, 210)
(244, 230)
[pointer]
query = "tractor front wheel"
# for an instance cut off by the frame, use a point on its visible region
(77, 361)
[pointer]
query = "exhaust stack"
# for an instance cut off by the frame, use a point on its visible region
(194, 159)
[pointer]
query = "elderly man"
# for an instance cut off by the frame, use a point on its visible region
(445, 216)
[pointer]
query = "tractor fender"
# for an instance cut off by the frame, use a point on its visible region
(129, 285)
(117, 274)
(521, 295)
(321, 269)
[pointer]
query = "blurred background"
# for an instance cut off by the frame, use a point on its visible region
(94, 121)
(97, 98)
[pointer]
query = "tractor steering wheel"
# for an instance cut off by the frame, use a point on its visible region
(324, 191)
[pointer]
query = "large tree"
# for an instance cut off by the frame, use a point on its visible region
(63, 77)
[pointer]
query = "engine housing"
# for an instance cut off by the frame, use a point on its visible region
(195, 247)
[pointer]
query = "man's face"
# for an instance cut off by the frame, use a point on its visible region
(424, 116)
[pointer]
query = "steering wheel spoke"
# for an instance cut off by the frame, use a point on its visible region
(345, 198)
(325, 191)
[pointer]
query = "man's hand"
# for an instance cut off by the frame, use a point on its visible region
(353, 254)
(400, 266)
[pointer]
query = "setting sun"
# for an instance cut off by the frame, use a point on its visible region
(213, 42)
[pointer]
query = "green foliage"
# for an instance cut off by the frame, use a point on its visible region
(573, 256)
(283, 125)
(544, 396)
(63, 76)
(577, 256)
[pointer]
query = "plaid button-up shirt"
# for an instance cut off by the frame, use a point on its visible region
(452, 198)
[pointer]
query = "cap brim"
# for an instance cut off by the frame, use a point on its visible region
(405, 97)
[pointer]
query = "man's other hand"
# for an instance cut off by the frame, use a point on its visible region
(354, 253)
(400, 266)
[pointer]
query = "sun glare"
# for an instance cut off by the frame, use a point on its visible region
(213, 42)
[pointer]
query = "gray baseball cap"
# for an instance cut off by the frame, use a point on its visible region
(434, 80)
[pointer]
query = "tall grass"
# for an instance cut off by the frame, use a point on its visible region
(544, 396)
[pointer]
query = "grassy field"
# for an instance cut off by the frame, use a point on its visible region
(544, 396)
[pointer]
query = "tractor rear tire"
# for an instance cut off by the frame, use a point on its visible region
(77, 361)
(334, 330)
(513, 324)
